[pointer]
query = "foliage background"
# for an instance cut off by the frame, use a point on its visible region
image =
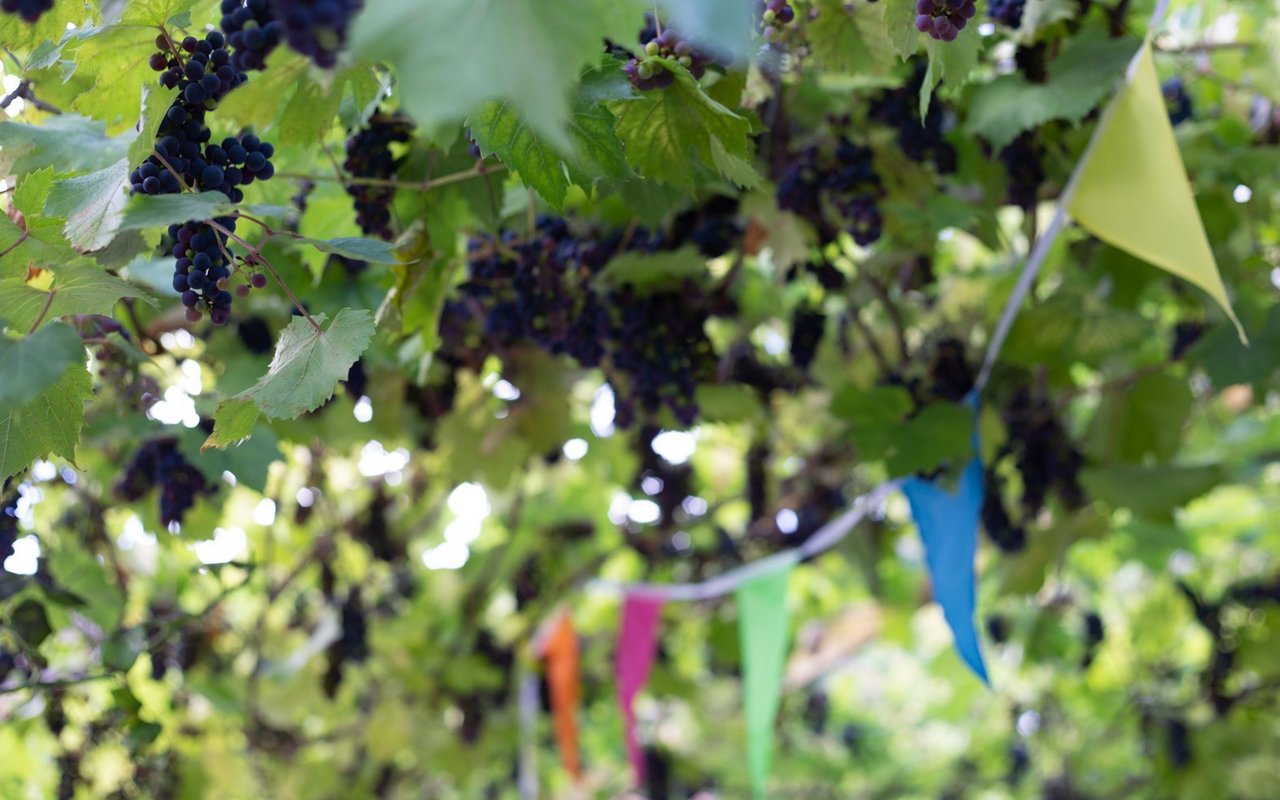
(210, 660)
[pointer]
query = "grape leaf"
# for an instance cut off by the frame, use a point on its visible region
(308, 364)
(68, 143)
(155, 104)
(1082, 76)
(850, 38)
(526, 52)
(92, 205)
(16, 34)
(372, 250)
(249, 462)
(42, 242)
(147, 211)
(1152, 491)
(32, 364)
(233, 422)
(156, 12)
(118, 58)
(649, 270)
(78, 288)
(596, 152)
(664, 128)
(48, 424)
(951, 62)
(900, 24)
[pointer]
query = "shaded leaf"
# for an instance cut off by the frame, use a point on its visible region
(33, 364)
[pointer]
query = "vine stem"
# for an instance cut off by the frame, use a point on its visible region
(420, 186)
(172, 171)
(25, 235)
(47, 304)
(256, 254)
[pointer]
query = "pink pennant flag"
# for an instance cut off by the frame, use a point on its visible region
(637, 645)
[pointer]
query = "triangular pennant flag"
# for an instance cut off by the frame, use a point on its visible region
(764, 631)
(1132, 192)
(563, 679)
(948, 524)
(637, 646)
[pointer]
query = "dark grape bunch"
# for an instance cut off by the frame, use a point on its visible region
(1177, 99)
(646, 72)
(252, 30)
(369, 156)
(158, 463)
(808, 324)
(943, 19)
(1023, 161)
(1043, 452)
(317, 28)
(772, 16)
(1010, 538)
(1006, 12)
(833, 191)
(29, 10)
(653, 343)
(921, 140)
(352, 645)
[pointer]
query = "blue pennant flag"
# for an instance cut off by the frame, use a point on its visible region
(948, 524)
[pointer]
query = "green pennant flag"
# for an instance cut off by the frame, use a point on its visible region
(764, 631)
(1132, 189)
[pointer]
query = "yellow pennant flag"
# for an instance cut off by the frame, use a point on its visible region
(1132, 189)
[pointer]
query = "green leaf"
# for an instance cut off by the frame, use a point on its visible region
(663, 129)
(900, 22)
(123, 647)
(308, 364)
(156, 12)
(374, 251)
(951, 62)
(78, 288)
(155, 104)
(850, 38)
(1082, 76)
(67, 143)
(941, 432)
(233, 422)
(526, 52)
(48, 424)
(149, 211)
(33, 364)
(17, 34)
(1151, 491)
(1142, 421)
(596, 150)
(92, 205)
(647, 271)
(30, 623)
(249, 462)
(118, 58)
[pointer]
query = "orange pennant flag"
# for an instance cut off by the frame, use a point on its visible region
(560, 650)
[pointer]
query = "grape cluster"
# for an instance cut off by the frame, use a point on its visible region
(646, 72)
(808, 324)
(546, 291)
(369, 156)
(920, 139)
(834, 190)
(1023, 161)
(1094, 632)
(1177, 99)
(29, 10)
(202, 272)
(255, 335)
(771, 16)
(317, 28)
(185, 156)
(253, 30)
(1010, 538)
(352, 645)
(158, 463)
(1043, 452)
(943, 19)
(1006, 12)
